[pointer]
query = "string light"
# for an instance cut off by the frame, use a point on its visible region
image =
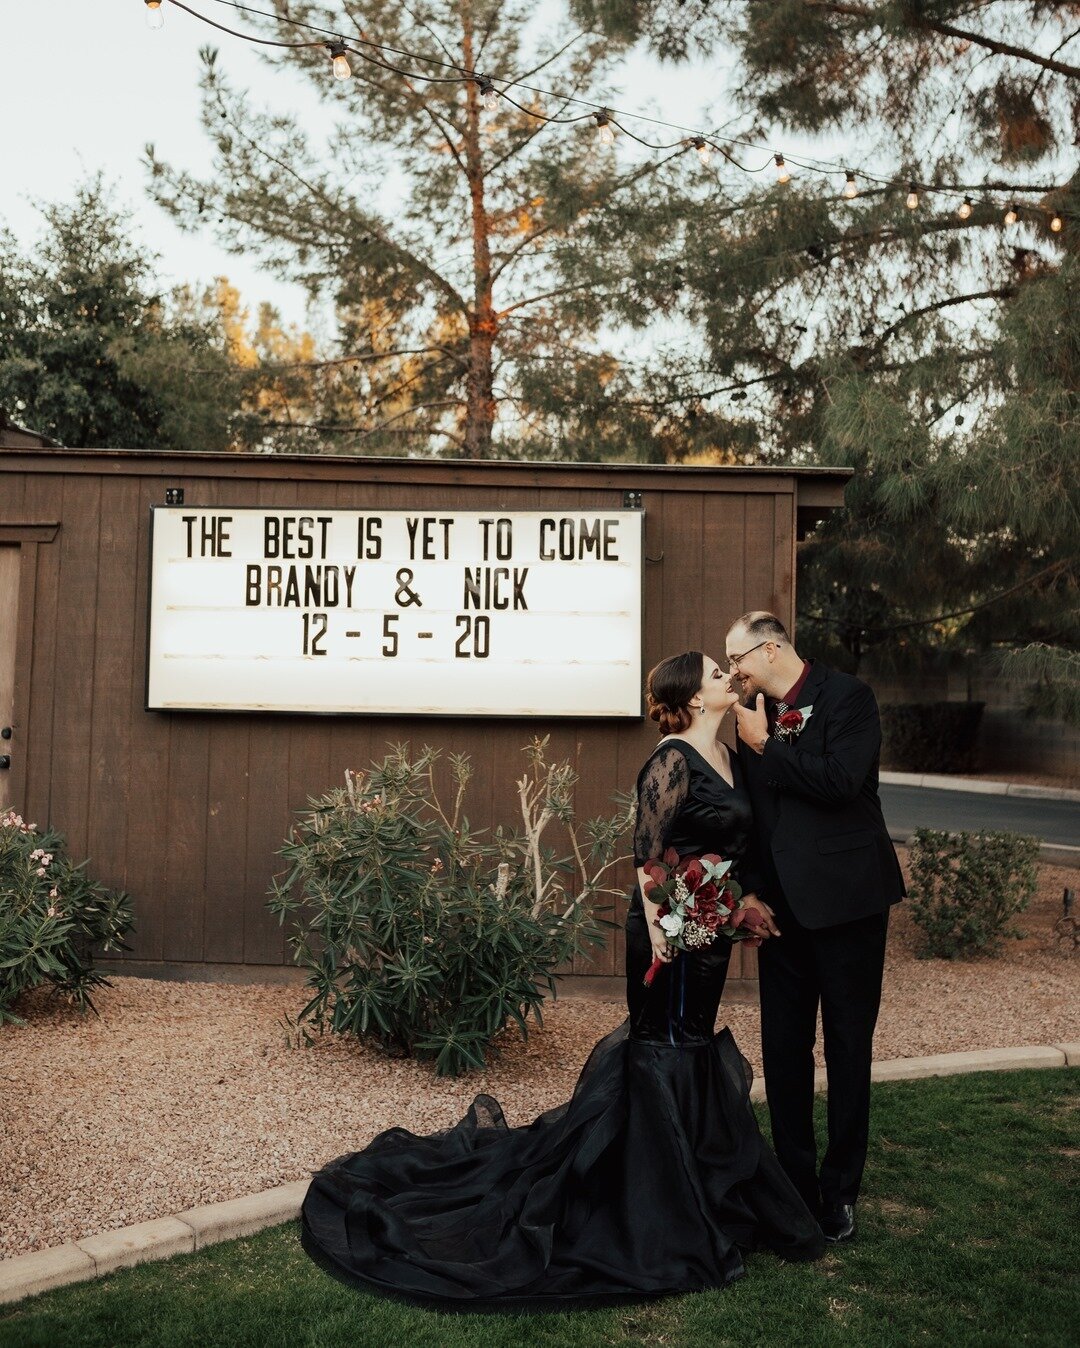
(340, 62)
(605, 128)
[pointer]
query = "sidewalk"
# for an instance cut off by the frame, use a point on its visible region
(978, 785)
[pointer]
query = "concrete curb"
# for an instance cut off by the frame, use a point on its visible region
(26, 1275)
(1052, 854)
(94, 1256)
(979, 785)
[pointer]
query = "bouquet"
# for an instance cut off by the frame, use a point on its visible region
(698, 903)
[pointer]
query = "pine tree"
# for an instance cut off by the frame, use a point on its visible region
(936, 350)
(472, 316)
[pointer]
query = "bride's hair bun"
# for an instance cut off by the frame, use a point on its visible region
(670, 686)
(673, 721)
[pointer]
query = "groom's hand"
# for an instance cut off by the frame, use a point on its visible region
(753, 724)
(768, 917)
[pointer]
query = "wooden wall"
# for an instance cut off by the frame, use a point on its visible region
(185, 811)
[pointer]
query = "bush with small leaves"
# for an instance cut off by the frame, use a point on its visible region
(51, 917)
(427, 936)
(930, 736)
(966, 888)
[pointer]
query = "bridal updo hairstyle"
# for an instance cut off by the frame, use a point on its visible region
(670, 686)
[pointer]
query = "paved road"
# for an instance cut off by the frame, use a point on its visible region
(910, 807)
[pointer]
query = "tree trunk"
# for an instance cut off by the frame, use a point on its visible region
(483, 325)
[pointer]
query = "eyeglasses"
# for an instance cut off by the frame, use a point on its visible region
(733, 661)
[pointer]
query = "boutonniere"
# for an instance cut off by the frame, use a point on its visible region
(790, 723)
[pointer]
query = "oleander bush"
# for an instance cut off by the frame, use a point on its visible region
(428, 937)
(930, 736)
(967, 889)
(51, 918)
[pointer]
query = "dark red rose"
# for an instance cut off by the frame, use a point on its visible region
(707, 892)
(791, 719)
(694, 874)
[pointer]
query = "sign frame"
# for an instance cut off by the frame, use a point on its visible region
(603, 718)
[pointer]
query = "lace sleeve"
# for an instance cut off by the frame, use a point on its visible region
(662, 788)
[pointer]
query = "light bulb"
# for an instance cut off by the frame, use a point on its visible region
(340, 62)
(488, 96)
(850, 190)
(782, 174)
(912, 197)
(155, 19)
(1056, 223)
(964, 209)
(605, 132)
(1012, 214)
(704, 149)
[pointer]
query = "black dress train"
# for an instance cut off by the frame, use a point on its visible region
(651, 1179)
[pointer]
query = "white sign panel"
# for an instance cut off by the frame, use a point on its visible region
(444, 612)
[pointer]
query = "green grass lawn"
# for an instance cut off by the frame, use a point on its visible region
(968, 1235)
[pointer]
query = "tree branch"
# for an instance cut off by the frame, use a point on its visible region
(925, 23)
(1003, 293)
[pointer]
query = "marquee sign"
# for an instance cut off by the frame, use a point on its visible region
(439, 612)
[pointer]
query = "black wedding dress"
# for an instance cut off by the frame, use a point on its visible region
(651, 1179)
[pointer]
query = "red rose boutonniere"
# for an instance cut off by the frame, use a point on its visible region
(790, 723)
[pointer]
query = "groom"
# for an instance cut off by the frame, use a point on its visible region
(827, 869)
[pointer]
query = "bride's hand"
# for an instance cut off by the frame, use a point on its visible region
(660, 948)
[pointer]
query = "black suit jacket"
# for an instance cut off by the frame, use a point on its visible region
(819, 834)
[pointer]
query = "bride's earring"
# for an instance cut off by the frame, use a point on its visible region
(701, 707)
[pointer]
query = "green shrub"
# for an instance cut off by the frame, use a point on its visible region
(424, 935)
(51, 916)
(930, 736)
(967, 887)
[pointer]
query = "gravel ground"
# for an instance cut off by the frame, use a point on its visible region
(186, 1093)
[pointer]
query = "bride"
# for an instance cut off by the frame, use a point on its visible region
(652, 1178)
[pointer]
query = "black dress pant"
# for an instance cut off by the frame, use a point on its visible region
(841, 968)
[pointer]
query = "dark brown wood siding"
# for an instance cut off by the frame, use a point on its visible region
(185, 811)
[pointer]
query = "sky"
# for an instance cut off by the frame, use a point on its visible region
(109, 85)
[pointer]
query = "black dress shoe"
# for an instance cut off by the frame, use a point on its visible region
(838, 1221)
